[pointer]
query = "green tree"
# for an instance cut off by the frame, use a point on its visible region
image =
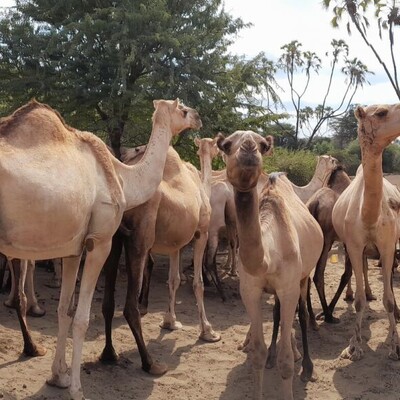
(308, 120)
(344, 128)
(102, 62)
(387, 14)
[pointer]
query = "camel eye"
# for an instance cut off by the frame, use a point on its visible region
(381, 113)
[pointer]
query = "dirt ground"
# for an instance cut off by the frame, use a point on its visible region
(200, 370)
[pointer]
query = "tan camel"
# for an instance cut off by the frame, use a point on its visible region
(364, 220)
(178, 212)
(280, 242)
(325, 165)
(90, 189)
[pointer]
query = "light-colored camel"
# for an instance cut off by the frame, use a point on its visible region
(62, 191)
(364, 220)
(178, 212)
(280, 243)
(325, 165)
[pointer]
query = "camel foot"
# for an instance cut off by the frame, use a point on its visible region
(77, 395)
(314, 325)
(143, 310)
(10, 303)
(53, 284)
(370, 297)
(61, 381)
(233, 273)
(395, 353)
(307, 373)
(210, 336)
(171, 325)
(108, 355)
(353, 353)
(349, 297)
(36, 311)
(397, 314)
(157, 369)
(271, 360)
(183, 278)
(328, 318)
(34, 350)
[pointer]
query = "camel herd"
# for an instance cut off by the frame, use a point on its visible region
(65, 194)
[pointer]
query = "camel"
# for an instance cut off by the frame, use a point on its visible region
(178, 212)
(63, 192)
(325, 165)
(280, 242)
(364, 219)
(223, 212)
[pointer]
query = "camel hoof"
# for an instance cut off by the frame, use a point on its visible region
(308, 376)
(53, 284)
(34, 350)
(329, 319)
(352, 353)
(108, 356)
(370, 297)
(313, 324)
(59, 381)
(271, 361)
(9, 303)
(157, 369)
(77, 395)
(349, 298)
(143, 310)
(171, 325)
(36, 311)
(210, 336)
(233, 273)
(395, 354)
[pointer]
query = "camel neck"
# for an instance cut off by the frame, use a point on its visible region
(140, 181)
(373, 187)
(206, 172)
(249, 231)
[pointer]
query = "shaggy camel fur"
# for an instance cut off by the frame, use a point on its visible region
(90, 189)
(178, 212)
(280, 242)
(364, 220)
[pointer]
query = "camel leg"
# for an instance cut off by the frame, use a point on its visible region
(60, 377)
(93, 264)
(251, 296)
(389, 304)
(169, 321)
(144, 292)
(319, 280)
(354, 351)
(34, 310)
(344, 280)
(207, 333)
(135, 263)
(285, 358)
(311, 314)
(368, 290)
(19, 269)
(11, 300)
(3, 268)
(307, 364)
(109, 354)
(276, 313)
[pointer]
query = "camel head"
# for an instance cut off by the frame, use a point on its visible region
(378, 126)
(244, 151)
(181, 117)
(206, 146)
(325, 166)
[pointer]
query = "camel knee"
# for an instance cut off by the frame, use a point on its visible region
(388, 304)
(80, 326)
(286, 365)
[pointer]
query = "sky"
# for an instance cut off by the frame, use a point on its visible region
(278, 22)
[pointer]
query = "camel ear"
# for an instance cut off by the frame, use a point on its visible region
(223, 144)
(175, 103)
(268, 147)
(197, 141)
(155, 103)
(360, 113)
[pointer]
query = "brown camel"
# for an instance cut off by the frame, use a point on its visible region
(364, 220)
(280, 243)
(178, 212)
(63, 192)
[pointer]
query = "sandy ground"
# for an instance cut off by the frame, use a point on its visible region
(200, 370)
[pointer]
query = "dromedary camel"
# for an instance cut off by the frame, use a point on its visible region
(364, 220)
(178, 212)
(62, 191)
(280, 242)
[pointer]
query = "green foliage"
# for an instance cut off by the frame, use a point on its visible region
(299, 165)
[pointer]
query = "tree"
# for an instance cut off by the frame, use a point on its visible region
(387, 17)
(344, 128)
(102, 62)
(308, 120)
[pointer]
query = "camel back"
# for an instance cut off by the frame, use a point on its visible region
(46, 125)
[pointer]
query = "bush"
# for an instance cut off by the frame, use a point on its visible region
(299, 165)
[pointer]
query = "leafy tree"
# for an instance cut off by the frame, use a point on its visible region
(309, 121)
(344, 128)
(102, 62)
(387, 14)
